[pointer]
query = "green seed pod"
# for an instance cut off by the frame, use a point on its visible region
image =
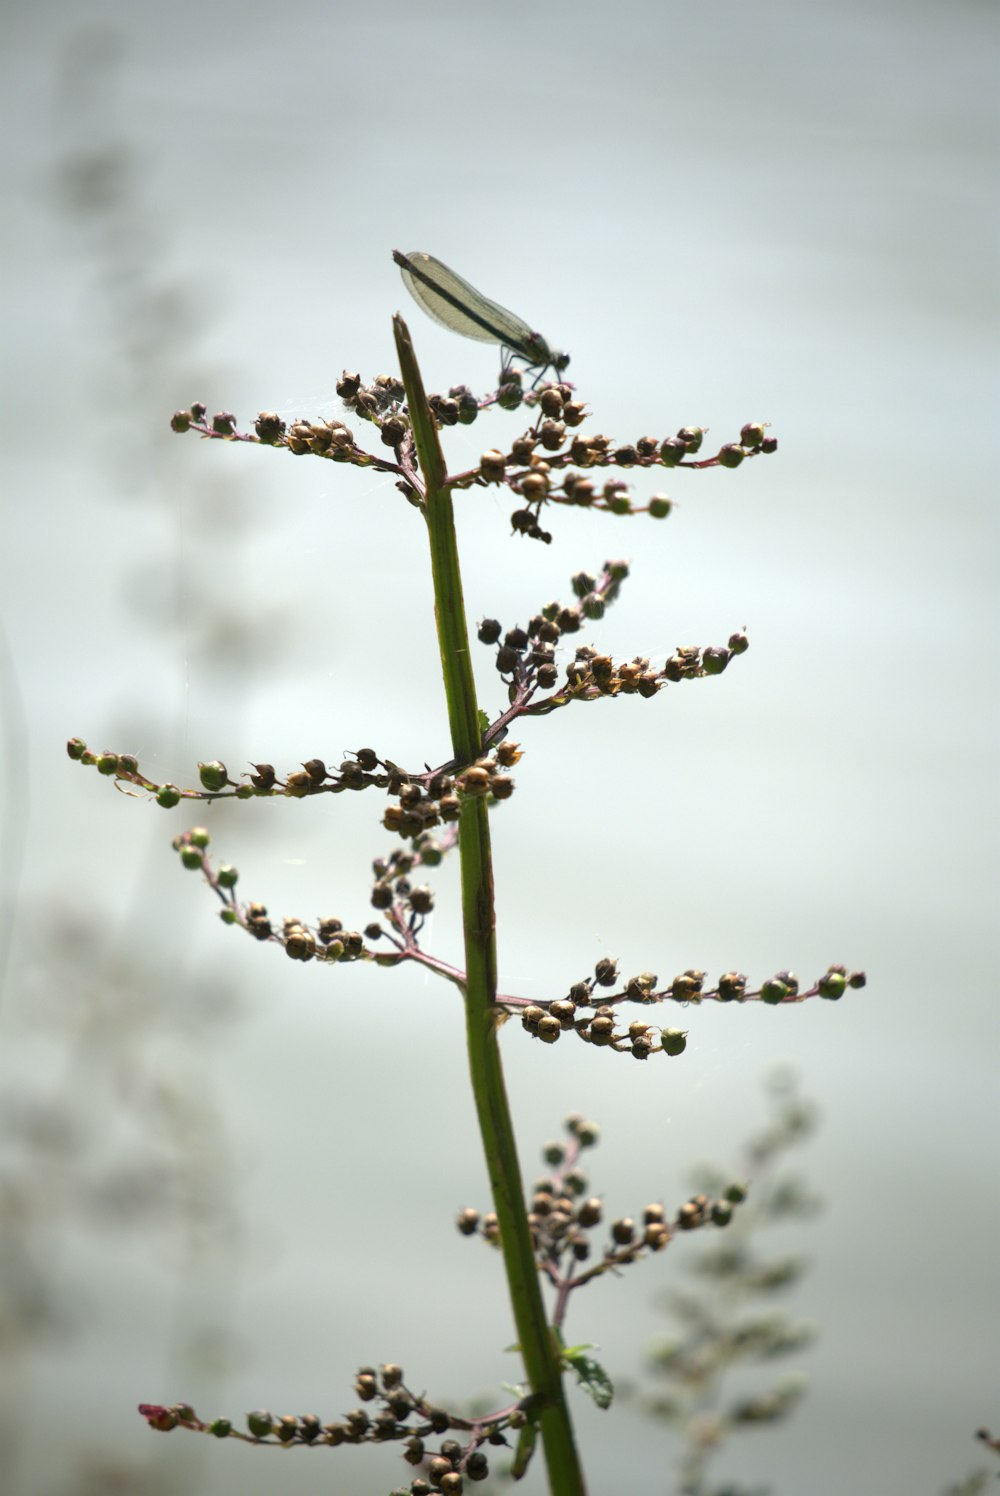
(168, 795)
(673, 1041)
(213, 775)
(191, 857)
(832, 985)
(260, 1423)
(107, 763)
(659, 506)
(731, 455)
(198, 836)
(715, 660)
(221, 1428)
(227, 876)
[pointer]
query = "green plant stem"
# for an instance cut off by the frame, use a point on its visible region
(538, 1345)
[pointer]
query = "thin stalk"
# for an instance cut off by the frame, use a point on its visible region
(539, 1349)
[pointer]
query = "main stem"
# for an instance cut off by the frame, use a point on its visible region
(537, 1343)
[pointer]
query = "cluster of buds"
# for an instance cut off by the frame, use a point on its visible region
(563, 1216)
(549, 463)
(400, 1416)
(314, 776)
(424, 800)
(640, 1039)
(427, 800)
(526, 656)
(407, 904)
(327, 940)
(542, 465)
(589, 1010)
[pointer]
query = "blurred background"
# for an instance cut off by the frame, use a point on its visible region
(231, 1179)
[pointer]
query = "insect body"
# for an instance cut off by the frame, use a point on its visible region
(451, 301)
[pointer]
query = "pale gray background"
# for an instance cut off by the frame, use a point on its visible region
(784, 211)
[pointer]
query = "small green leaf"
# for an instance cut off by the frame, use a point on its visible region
(484, 723)
(527, 1439)
(592, 1377)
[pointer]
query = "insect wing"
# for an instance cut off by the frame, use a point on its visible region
(452, 302)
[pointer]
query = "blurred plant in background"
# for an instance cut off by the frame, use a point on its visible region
(112, 1136)
(726, 1327)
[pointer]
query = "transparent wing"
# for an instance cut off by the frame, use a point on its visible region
(455, 304)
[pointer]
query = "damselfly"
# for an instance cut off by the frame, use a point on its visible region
(451, 301)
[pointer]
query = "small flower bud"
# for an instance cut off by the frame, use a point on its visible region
(227, 876)
(672, 451)
(413, 1451)
(509, 396)
(300, 944)
(752, 434)
(395, 428)
(731, 455)
(660, 506)
(832, 985)
(269, 427)
(673, 1041)
(774, 990)
(623, 1231)
(488, 631)
(477, 1466)
(260, 1424)
(606, 971)
(492, 465)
